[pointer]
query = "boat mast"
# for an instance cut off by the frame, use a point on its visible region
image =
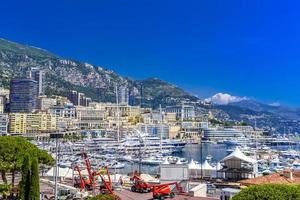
(118, 114)
(161, 127)
(255, 140)
(140, 152)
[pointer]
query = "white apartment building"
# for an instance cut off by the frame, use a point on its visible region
(89, 117)
(3, 124)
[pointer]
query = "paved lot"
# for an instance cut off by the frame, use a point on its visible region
(127, 195)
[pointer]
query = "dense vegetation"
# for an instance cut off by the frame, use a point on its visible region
(269, 192)
(227, 123)
(18, 155)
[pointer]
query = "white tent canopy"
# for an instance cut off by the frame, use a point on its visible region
(204, 169)
(62, 172)
(166, 162)
(192, 165)
(207, 166)
(219, 166)
(237, 154)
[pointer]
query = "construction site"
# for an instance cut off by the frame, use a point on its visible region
(83, 182)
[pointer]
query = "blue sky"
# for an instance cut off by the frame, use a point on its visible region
(245, 48)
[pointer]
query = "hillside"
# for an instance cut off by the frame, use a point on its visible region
(99, 83)
(95, 81)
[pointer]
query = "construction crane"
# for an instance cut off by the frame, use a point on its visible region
(164, 190)
(88, 167)
(107, 185)
(82, 183)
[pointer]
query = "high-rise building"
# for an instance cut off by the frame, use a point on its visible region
(74, 97)
(23, 95)
(38, 75)
(123, 95)
(78, 99)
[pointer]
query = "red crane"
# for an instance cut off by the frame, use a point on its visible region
(107, 185)
(164, 190)
(89, 168)
(83, 183)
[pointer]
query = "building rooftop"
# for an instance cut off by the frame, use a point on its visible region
(287, 177)
(237, 154)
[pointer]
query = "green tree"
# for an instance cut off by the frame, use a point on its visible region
(34, 181)
(269, 192)
(25, 181)
(12, 153)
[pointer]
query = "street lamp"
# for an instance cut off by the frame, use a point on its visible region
(56, 136)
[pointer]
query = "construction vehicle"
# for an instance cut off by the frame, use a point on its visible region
(163, 191)
(139, 185)
(106, 187)
(81, 182)
(89, 169)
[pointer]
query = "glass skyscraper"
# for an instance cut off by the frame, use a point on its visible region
(23, 95)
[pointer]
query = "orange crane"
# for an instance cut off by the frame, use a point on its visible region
(83, 184)
(164, 190)
(107, 186)
(89, 168)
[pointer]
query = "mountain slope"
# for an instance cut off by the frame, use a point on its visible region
(99, 83)
(96, 82)
(277, 119)
(282, 111)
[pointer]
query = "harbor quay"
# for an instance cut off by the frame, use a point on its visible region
(206, 170)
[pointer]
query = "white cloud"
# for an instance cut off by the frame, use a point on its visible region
(224, 99)
(275, 104)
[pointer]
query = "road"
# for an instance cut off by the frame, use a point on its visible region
(127, 195)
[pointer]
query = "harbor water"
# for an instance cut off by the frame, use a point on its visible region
(190, 151)
(193, 151)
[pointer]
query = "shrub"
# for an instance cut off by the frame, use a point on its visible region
(104, 197)
(269, 192)
(4, 190)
